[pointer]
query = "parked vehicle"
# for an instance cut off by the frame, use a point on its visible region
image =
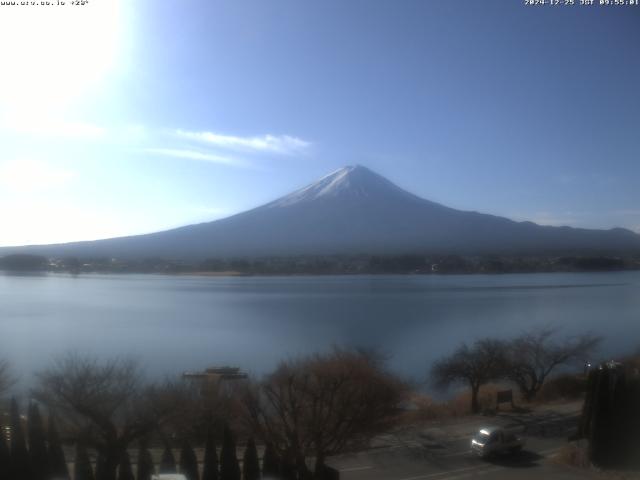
(495, 441)
(168, 476)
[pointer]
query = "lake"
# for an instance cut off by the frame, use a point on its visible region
(177, 323)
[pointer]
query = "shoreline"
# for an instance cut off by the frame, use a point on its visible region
(234, 273)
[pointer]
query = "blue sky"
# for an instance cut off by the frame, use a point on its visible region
(129, 117)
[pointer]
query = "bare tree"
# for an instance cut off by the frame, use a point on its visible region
(106, 405)
(474, 365)
(534, 355)
(323, 405)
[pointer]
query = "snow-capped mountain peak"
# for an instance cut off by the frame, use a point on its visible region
(350, 181)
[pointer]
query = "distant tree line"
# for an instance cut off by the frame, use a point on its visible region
(20, 262)
(327, 264)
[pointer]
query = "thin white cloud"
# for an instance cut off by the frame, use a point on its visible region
(274, 144)
(58, 128)
(196, 155)
(190, 145)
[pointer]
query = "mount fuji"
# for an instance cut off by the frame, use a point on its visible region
(351, 211)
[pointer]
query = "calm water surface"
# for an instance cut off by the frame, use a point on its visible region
(175, 323)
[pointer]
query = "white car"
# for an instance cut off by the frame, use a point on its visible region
(495, 440)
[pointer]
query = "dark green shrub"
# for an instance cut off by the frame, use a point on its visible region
(57, 463)
(188, 462)
(145, 463)
(82, 466)
(229, 468)
(270, 462)
(124, 469)
(210, 470)
(250, 463)
(101, 467)
(5, 458)
(20, 465)
(37, 444)
(168, 461)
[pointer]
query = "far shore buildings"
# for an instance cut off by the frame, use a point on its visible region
(215, 374)
(214, 378)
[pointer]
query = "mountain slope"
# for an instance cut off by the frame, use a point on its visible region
(353, 210)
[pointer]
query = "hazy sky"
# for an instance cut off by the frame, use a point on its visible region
(123, 117)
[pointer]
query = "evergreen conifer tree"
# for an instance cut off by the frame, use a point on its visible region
(82, 466)
(101, 467)
(124, 469)
(145, 463)
(188, 462)
(250, 462)
(168, 461)
(20, 464)
(270, 462)
(210, 470)
(37, 444)
(57, 463)
(229, 468)
(5, 456)
(287, 468)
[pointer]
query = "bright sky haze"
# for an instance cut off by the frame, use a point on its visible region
(121, 117)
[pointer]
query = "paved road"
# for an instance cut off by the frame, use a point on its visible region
(442, 452)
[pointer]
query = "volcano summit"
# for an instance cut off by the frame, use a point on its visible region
(352, 211)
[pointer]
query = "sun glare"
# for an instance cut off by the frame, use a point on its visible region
(53, 54)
